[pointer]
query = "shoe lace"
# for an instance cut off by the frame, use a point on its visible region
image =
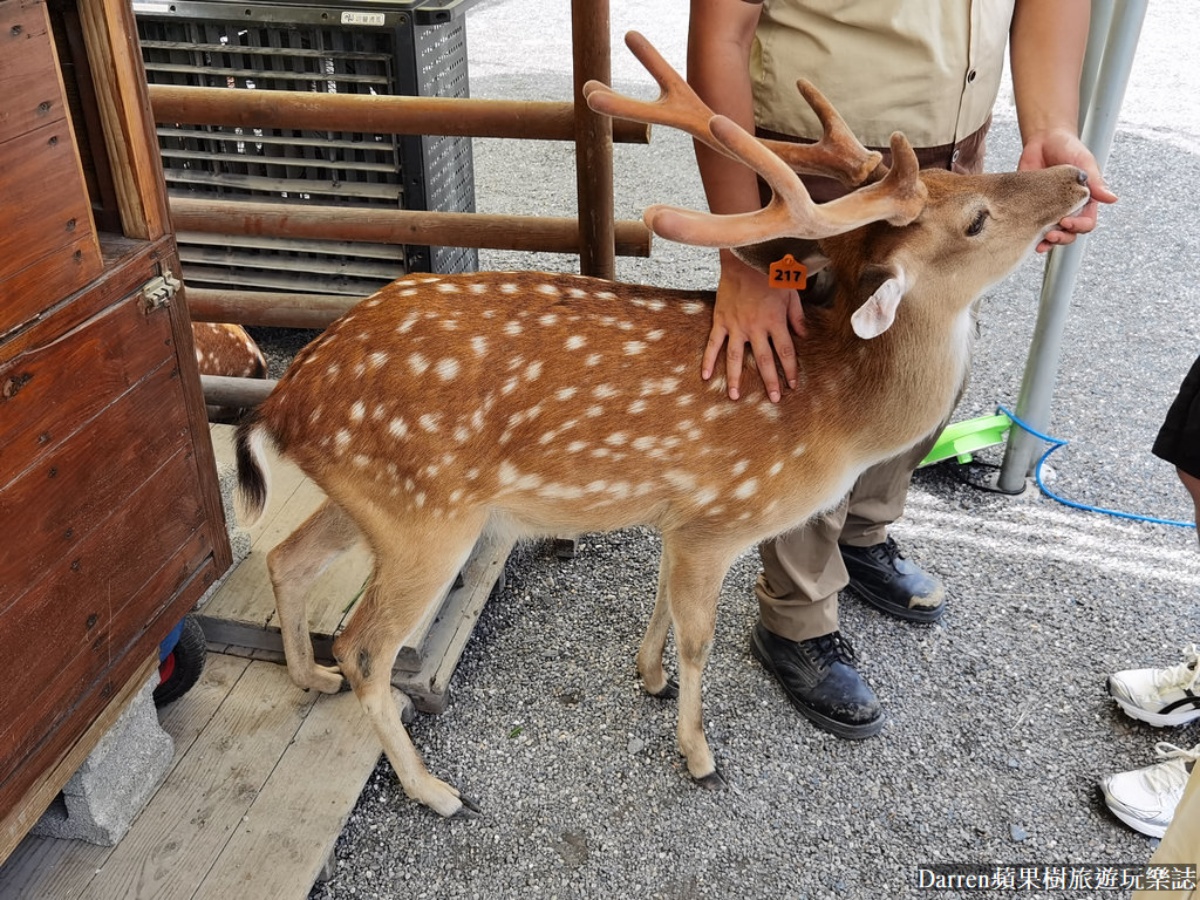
(1185, 674)
(1165, 779)
(888, 551)
(831, 648)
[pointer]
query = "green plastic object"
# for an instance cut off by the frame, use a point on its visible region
(963, 438)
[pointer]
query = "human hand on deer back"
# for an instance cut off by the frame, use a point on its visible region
(1055, 147)
(750, 312)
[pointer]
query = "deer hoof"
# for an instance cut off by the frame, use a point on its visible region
(469, 809)
(669, 691)
(713, 781)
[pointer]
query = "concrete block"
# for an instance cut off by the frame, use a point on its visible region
(117, 779)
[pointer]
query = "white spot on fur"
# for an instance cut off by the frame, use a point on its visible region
(746, 489)
(637, 406)
(398, 428)
(740, 466)
(418, 363)
(576, 446)
(604, 391)
(655, 335)
(776, 468)
(357, 411)
(575, 341)
(566, 393)
(479, 344)
(342, 439)
(595, 411)
(693, 308)
(509, 288)
(617, 439)
(513, 328)
(679, 479)
(633, 348)
(548, 319)
(534, 371)
(377, 359)
(448, 288)
(549, 290)
(406, 326)
(429, 422)
(593, 359)
(447, 368)
(479, 288)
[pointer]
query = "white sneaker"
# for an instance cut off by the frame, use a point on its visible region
(1145, 799)
(1169, 696)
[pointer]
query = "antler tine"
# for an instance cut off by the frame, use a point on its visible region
(838, 154)
(897, 199)
(677, 105)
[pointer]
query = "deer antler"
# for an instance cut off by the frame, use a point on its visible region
(838, 154)
(897, 199)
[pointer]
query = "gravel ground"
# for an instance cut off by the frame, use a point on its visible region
(998, 723)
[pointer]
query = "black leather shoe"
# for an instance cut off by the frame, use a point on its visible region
(882, 576)
(819, 677)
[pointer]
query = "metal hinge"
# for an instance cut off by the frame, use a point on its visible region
(158, 291)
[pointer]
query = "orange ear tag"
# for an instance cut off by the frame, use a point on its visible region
(787, 273)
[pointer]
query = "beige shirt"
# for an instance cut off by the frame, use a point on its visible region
(929, 68)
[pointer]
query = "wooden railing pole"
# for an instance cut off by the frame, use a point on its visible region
(593, 140)
(540, 120)
(396, 226)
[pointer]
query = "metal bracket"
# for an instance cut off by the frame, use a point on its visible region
(160, 290)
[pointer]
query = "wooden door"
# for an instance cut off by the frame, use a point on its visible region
(110, 518)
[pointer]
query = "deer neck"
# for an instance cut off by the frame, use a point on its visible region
(886, 393)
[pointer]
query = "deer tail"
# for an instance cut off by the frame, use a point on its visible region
(254, 475)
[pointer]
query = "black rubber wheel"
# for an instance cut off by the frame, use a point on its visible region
(183, 665)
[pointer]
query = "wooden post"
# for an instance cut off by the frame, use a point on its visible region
(593, 141)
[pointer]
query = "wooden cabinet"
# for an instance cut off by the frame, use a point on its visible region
(110, 518)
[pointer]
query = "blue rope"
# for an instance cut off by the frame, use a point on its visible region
(1055, 443)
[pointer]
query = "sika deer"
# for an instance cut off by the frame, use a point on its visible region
(223, 348)
(544, 404)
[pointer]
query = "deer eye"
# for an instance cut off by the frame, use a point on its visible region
(977, 223)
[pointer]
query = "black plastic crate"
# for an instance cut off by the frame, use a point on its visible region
(410, 48)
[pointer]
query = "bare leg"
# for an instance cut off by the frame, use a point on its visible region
(1192, 483)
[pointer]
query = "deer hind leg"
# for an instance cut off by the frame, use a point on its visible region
(294, 565)
(412, 571)
(691, 575)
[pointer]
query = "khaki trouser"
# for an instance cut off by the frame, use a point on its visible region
(803, 569)
(1181, 844)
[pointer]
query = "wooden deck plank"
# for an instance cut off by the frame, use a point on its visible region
(280, 846)
(176, 839)
(43, 867)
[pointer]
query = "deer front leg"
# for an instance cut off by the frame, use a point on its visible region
(694, 572)
(650, 653)
(294, 565)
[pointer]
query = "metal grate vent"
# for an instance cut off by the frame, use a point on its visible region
(294, 49)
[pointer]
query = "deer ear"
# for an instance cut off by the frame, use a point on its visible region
(760, 256)
(887, 285)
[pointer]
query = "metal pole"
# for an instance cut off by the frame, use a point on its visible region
(1098, 28)
(1041, 367)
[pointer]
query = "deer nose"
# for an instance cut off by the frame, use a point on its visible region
(1081, 176)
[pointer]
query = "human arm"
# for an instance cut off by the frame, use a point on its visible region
(748, 310)
(1047, 42)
